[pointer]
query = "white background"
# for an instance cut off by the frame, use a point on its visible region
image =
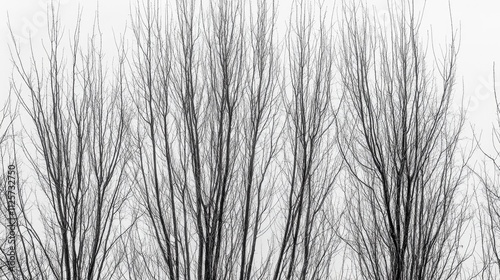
(478, 22)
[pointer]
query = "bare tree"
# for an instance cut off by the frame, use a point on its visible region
(79, 116)
(489, 215)
(405, 215)
(209, 131)
(260, 133)
(309, 239)
(193, 97)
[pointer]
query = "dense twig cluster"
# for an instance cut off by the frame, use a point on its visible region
(217, 149)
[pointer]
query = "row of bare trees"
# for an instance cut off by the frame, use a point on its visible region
(214, 148)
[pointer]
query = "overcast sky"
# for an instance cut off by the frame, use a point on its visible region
(479, 23)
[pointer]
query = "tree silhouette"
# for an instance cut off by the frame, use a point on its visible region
(405, 217)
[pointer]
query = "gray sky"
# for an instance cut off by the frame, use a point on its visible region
(479, 23)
